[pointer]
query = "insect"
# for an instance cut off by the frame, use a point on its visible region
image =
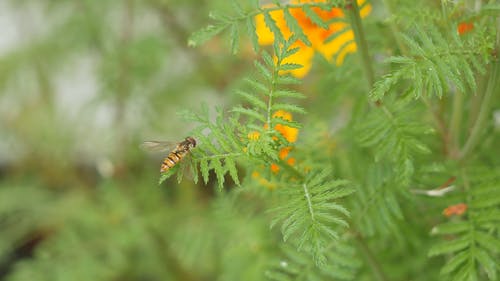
(177, 151)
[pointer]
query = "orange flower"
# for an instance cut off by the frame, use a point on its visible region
(465, 27)
(283, 154)
(340, 46)
(275, 168)
(457, 209)
(288, 132)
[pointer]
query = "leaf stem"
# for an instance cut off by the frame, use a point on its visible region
(359, 36)
(216, 156)
(271, 92)
(309, 203)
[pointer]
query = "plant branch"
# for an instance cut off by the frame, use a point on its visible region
(476, 101)
(370, 257)
(359, 36)
(454, 127)
(440, 124)
(484, 109)
(271, 92)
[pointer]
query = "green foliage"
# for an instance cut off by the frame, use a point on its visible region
(19, 222)
(80, 239)
(472, 253)
(217, 151)
(221, 143)
(378, 201)
(245, 15)
(395, 138)
(437, 61)
(342, 264)
(308, 212)
(333, 176)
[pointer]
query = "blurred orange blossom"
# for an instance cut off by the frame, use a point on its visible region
(340, 46)
(289, 133)
(457, 209)
(464, 27)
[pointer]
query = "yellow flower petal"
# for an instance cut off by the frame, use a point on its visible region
(253, 135)
(366, 10)
(289, 133)
(339, 47)
(351, 48)
(266, 37)
(333, 47)
(303, 57)
(285, 115)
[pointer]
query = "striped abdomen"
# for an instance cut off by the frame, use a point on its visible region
(172, 159)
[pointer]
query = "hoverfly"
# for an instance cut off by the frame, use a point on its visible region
(177, 151)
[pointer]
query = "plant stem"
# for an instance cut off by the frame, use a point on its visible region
(370, 257)
(476, 101)
(484, 110)
(394, 28)
(454, 128)
(292, 170)
(359, 36)
(440, 124)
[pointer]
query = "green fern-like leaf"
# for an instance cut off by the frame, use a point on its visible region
(437, 62)
(310, 215)
(294, 265)
(217, 150)
(205, 34)
(377, 202)
(295, 27)
(476, 243)
(394, 137)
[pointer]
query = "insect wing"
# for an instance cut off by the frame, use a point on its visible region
(158, 146)
(187, 169)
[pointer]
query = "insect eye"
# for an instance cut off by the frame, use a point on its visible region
(192, 142)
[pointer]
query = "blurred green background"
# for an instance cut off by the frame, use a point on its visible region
(82, 84)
